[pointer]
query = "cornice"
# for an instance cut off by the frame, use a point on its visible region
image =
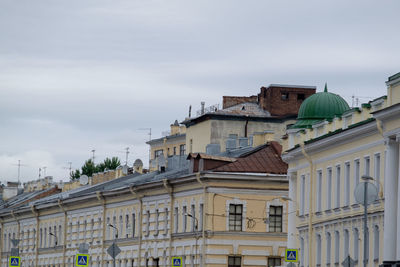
(344, 137)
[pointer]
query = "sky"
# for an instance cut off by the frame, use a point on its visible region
(77, 76)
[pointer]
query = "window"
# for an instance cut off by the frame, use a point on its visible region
(274, 261)
(234, 261)
(376, 243)
(235, 217)
(302, 194)
(121, 226)
(165, 221)
(191, 146)
(377, 170)
(157, 217)
(127, 226)
(275, 218)
(347, 184)
(301, 96)
(319, 246)
(201, 217)
(108, 228)
(133, 224)
(366, 165)
(174, 150)
(147, 223)
(193, 213)
(329, 189)
(319, 190)
(337, 247)
(184, 219)
(302, 252)
(158, 153)
(337, 203)
(285, 96)
(355, 245)
(182, 150)
(176, 220)
(346, 251)
(328, 248)
(156, 262)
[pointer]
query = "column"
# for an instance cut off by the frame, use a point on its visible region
(292, 240)
(396, 167)
(391, 190)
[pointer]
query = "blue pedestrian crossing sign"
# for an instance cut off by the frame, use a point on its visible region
(82, 260)
(291, 255)
(176, 261)
(14, 261)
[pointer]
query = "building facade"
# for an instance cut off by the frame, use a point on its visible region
(232, 212)
(329, 149)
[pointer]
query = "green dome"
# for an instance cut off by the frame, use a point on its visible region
(320, 106)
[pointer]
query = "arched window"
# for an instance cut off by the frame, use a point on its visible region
(346, 243)
(376, 243)
(318, 256)
(337, 247)
(328, 248)
(356, 244)
(302, 252)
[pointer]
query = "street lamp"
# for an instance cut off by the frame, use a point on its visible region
(195, 229)
(112, 226)
(55, 237)
(116, 237)
(365, 194)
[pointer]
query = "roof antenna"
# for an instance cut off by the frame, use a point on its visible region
(19, 169)
(127, 153)
(93, 151)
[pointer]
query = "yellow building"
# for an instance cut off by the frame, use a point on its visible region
(328, 150)
(219, 211)
(171, 147)
(246, 121)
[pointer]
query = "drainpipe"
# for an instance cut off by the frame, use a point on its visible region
(36, 214)
(204, 221)
(245, 127)
(168, 188)
(1, 238)
(310, 212)
(60, 204)
(18, 223)
(102, 201)
(139, 197)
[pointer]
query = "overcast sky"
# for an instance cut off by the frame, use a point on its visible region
(79, 75)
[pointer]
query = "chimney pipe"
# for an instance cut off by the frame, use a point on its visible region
(202, 107)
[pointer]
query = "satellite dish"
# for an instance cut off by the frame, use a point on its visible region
(125, 169)
(84, 179)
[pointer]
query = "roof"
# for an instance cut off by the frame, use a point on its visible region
(263, 159)
(247, 108)
(168, 137)
(394, 77)
(320, 106)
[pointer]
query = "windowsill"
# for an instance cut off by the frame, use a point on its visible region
(355, 206)
(318, 213)
(347, 207)
(336, 210)
(328, 211)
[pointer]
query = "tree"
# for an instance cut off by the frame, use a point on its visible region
(74, 175)
(89, 167)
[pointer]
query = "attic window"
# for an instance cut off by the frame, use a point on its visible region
(243, 108)
(285, 96)
(301, 97)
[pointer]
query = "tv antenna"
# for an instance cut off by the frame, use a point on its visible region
(19, 169)
(147, 129)
(69, 168)
(93, 151)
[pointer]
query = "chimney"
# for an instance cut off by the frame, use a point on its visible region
(202, 107)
